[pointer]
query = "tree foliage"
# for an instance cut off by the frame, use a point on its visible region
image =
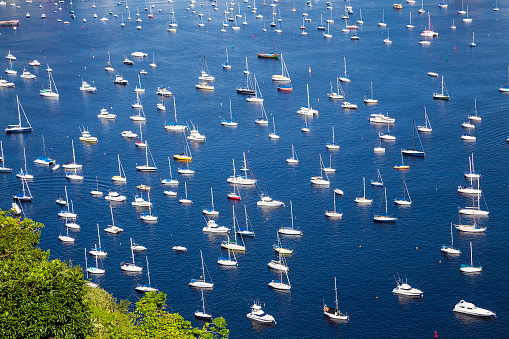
(40, 298)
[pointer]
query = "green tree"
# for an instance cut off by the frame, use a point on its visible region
(38, 298)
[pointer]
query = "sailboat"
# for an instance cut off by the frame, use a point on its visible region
(49, 93)
(305, 129)
(269, 55)
(201, 283)
(113, 229)
(476, 117)
(141, 113)
(371, 99)
(19, 128)
(309, 110)
(467, 18)
(186, 154)
(409, 25)
(427, 125)
(284, 76)
(258, 94)
(471, 268)
(279, 248)
(131, 266)
(233, 244)
(345, 78)
(421, 10)
(339, 95)
(91, 269)
(332, 145)
(146, 288)
(140, 142)
(67, 213)
(403, 201)
(442, 95)
(335, 313)
(469, 137)
(280, 264)
(469, 228)
(96, 192)
(388, 41)
(321, 27)
(290, 230)
(263, 120)
(108, 67)
(185, 200)
(66, 237)
(205, 73)
(471, 173)
(242, 179)
(505, 88)
(319, 180)
(139, 89)
(363, 199)
(202, 314)
(382, 23)
(121, 174)
(279, 284)
(73, 165)
(24, 174)
(98, 251)
(327, 35)
(228, 261)
(414, 152)
(449, 249)
(211, 211)
(334, 213)
(294, 160)
(402, 166)
(235, 195)
(3, 169)
(379, 181)
(470, 189)
(386, 217)
(227, 65)
(149, 216)
(472, 43)
(246, 90)
(229, 122)
(44, 159)
(273, 135)
(329, 169)
(246, 232)
(169, 181)
(174, 126)
(26, 195)
(147, 167)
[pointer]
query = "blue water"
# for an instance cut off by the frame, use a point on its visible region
(364, 256)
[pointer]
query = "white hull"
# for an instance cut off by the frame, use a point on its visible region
(95, 270)
(279, 285)
(113, 229)
(471, 309)
(363, 201)
(289, 231)
(233, 246)
(472, 211)
(333, 214)
(241, 181)
(201, 284)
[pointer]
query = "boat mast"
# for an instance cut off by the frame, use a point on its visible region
(364, 186)
(309, 105)
(336, 290)
(148, 272)
(132, 252)
(385, 201)
(175, 109)
(99, 235)
(202, 266)
(291, 212)
(212, 195)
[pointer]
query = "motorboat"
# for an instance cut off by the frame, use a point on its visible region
(266, 201)
(129, 134)
(162, 91)
(87, 137)
(471, 309)
(213, 227)
(85, 87)
(257, 314)
(115, 196)
(403, 288)
(106, 115)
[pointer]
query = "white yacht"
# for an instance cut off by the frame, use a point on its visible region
(87, 137)
(257, 314)
(106, 115)
(115, 196)
(471, 309)
(85, 87)
(266, 201)
(403, 288)
(213, 227)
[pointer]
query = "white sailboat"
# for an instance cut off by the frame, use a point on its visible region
(146, 288)
(309, 110)
(379, 181)
(319, 180)
(147, 167)
(294, 160)
(258, 94)
(475, 117)
(52, 91)
(278, 265)
(121, 174)
(227, 65)
(98, 251)
(73, 165)
(113, 229)
(334, 213)
(185, 200)
(279, 284)
(26, 195)
(273, 135)
(449, 249)
(23, 174)
(332, 145)
(92, 269)
(211, 211)
(371, 99)
(230, 260)
(329, 169)
(505, 88)
(19, 128)
(3, 168)
(385, 217)
(427, 126)
(171, 180)
(382, 23)
(66, 237)
(339, 95)
(174, 126)
(203, 315)
(131, 266)
(241, 179)
(345, 78)
(233, 244)
(363, 199)
(96, 192)
(471, 268)
(469, 228)
(201, 283)
(229, 122)
(263, 121)
(335, 313)
(404, 201)
(108, 67)
(247, 231)
(442, 95)
(327, 34)
(284, 76)
(290, 230)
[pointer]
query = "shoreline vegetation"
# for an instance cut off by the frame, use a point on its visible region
(40, 298)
